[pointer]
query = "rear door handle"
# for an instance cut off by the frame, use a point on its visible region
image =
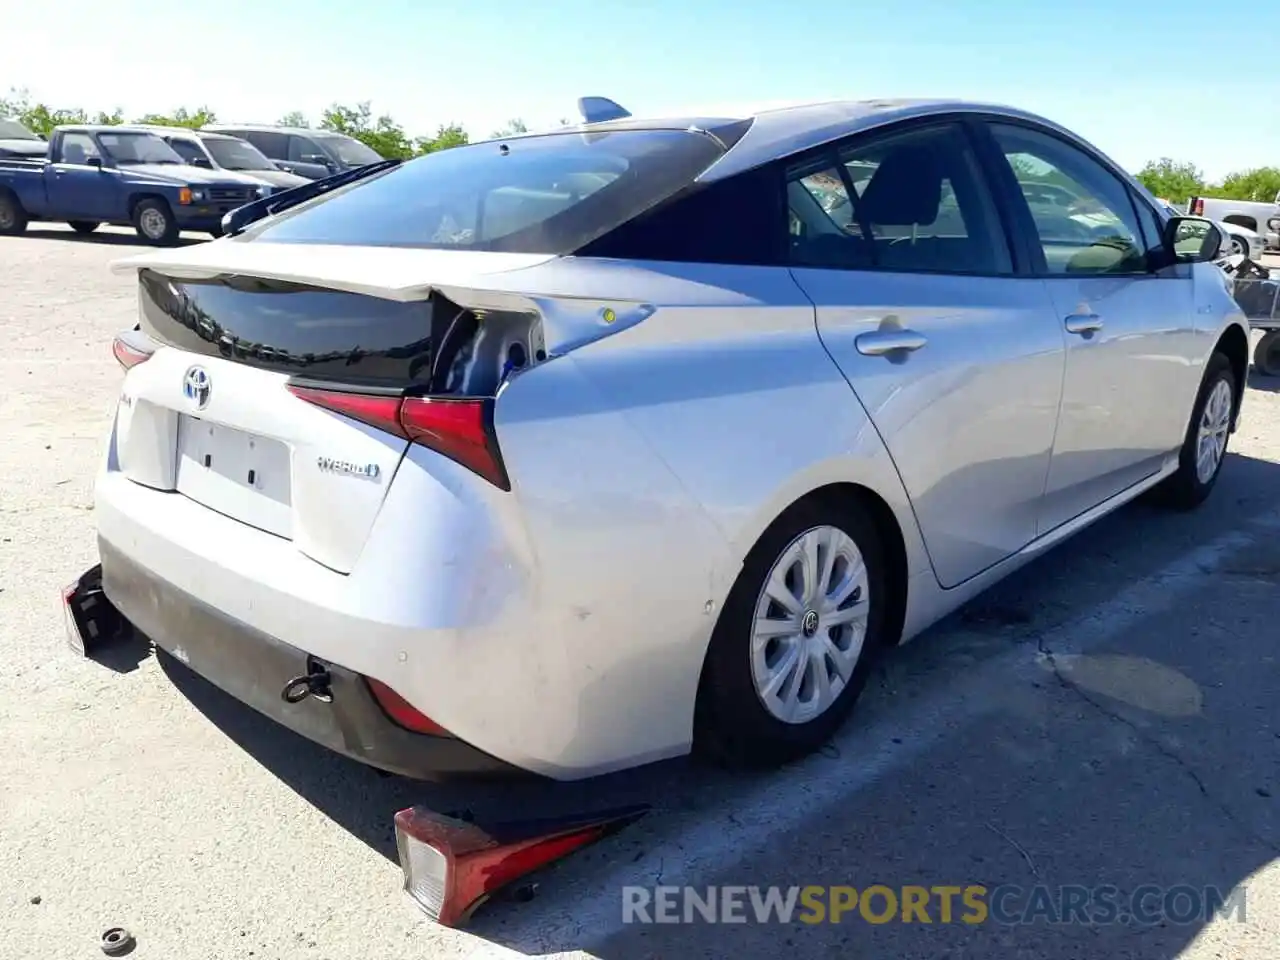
(1083, 323)
(877, 343)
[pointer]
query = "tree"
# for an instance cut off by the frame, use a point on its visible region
(447, 135)
(512, 128)
(41, 118)
(382, 135)
(182, 117)
(1260, 184)
(294, 118)
(1172, 180)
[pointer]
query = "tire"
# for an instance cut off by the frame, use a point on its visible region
(1239, 247)
(154, 222)
(1188, 488)
(83, 226)
(1266, 355)
(13, 219)
(733, 726)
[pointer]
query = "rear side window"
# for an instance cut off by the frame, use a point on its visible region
(274, 145)
(914, 201)
(548, 194)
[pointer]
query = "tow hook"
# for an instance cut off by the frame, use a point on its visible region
(314, 683)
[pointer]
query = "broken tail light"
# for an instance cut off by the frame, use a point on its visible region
(452, 866)
(131, 348)
(458, 428)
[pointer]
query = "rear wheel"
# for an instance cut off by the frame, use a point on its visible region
(83, 226)
(1239, 246)
(1266, 355)
(154, 222)
(1205, 445)
(797, 638)
(13, 219)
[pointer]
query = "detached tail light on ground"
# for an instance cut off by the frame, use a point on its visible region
(453, 866)
(460, 429)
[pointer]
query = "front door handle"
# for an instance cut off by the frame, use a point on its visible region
(1083, 323)
(877, 343)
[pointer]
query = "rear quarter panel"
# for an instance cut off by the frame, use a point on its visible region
(646, 466)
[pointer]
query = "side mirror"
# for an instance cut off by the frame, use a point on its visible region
(201, 162)
(1193, 239)
(94, 162)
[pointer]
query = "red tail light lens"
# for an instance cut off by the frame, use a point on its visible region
(452, 866)
(460, 429)
(402, 712)
(1197, 208)
(127, 354)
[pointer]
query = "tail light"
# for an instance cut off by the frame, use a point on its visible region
(1197, 207)
(402, 712)
(460, 429)
(452, 866)
(130, 349)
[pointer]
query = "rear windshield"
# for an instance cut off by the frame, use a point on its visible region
(548, 194)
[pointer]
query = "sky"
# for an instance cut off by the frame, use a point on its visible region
(1141, 80)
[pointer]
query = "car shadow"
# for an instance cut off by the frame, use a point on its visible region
(104, 237)
(975, 778)
(1263, 383)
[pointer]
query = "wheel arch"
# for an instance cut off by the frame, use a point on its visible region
(1241, 220)
(135, 199)
(1233, 343)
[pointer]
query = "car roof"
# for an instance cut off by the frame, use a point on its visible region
(780, 131)
(183, 131)
(270, 128)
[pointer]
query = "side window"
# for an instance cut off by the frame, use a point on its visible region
(78, 147)
(274, 145)
(301, 149)
(1083, 213)
(187, 150)
(910, 202)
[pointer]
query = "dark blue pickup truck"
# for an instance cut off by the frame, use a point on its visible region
(122, 175)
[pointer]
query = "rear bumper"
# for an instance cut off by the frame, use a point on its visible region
(254, 668)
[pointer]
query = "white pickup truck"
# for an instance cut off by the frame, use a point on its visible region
(1261, 217)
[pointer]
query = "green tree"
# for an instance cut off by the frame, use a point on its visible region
(1259, 184)
(447, 135)
(294, 118)
(512, 128)
(382, 134)
(42, 118)
(182, 117)
(1173, 180)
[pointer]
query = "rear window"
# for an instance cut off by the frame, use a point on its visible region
(548, 194)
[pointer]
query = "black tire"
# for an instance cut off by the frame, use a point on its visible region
(13, 219)
(148, 227)
(1185, 490)
(732, 726)
(1266, 355)
(1239, 247)
(83, 226)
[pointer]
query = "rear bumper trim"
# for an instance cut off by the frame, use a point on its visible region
(254, 668)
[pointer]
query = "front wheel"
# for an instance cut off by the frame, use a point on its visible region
(797, 637)
(154, 222)
(1205, 446)
(1239, 246)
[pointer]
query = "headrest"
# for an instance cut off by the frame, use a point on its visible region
(906, 188)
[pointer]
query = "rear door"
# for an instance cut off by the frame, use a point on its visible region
(1130, 331)
(957, 360)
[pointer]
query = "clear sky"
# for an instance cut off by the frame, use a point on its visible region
(1141, 79)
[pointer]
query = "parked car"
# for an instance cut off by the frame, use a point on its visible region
(1262, 217)
(313, 154)
(17, 141)
(121, 175)
(1240, 240)
(572, 452)
(220, 151)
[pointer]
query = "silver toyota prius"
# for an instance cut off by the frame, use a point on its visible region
(572, 451)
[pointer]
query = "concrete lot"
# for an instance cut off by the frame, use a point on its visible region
(1108, 716)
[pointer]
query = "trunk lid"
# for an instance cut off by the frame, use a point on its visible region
(209, 415)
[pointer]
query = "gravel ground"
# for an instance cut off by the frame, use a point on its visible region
(1107, 716)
